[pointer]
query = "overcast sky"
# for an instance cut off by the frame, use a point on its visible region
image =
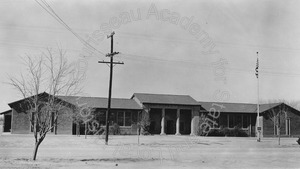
(206, 49)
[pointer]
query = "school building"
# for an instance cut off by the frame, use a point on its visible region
(167, 114)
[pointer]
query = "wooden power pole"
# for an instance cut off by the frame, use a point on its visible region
(111, 55)
(258, 125)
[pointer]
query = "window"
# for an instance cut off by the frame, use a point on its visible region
(246, 121)
(238, 121)
(120, 118)
(127, 118)
(288, 126)
(101, 116)
(112, 118)
(230, 121)
(52, 122)
(215, 122)
(134, 117)
(124, 118)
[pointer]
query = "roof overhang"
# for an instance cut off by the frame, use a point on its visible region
(5, 112)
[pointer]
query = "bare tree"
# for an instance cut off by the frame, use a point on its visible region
(144, 123)
(278, 115)
(48, 72)
(83, 114)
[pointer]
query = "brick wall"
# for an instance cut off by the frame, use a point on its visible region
(20, 123)
(268, 127)
(294, 125)
(65, 122)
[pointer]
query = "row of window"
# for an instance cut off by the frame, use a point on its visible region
(121, 118)
(238, 120)
(125, 118)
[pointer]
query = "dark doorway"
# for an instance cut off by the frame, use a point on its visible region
(155, 120)
(170, 127)
(74, 129)
(78, 129)
(7, 123)
(170, 117)
(185, 121)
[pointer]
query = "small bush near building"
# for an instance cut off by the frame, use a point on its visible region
(235, 132)
(216, 132)
(238, 132)
(144, 122)
(115, 129)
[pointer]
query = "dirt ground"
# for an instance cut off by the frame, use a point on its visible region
(152, 152)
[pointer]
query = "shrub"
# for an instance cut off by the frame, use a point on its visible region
(235, 132)
(215, 132)
(226, 131)
(238, 132)
(145, 123)
(101, 131)
(115, 129)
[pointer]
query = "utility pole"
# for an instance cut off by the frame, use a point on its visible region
(258, 127)
(111, 55)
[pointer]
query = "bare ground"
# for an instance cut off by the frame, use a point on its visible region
(152, 152)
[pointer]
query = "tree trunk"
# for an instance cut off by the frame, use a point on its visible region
(77, 129)
(85, 129)
(279, 137)
(55, 129)
(36, 147)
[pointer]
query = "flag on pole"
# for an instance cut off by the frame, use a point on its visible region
(256, 69)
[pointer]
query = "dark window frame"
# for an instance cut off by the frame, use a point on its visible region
(126, 121)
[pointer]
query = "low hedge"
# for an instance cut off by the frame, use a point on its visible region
(235, 132)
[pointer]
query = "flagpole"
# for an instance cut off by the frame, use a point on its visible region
(258, 121)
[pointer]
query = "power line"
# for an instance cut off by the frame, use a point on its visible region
(263, 71)
(28, 45)
(50, 11)
(135, 57)
(152, 38)
(195, 41)
(162, 60)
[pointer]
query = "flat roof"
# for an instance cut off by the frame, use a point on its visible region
(165, 99)
(238, 107)
(102, 102)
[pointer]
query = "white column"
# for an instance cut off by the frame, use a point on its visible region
(162, 130)
(178, 123)
(286, 126)
(250, 125)
(192, 123)
(261, 123)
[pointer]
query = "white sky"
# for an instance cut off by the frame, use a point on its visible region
(161, 57)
